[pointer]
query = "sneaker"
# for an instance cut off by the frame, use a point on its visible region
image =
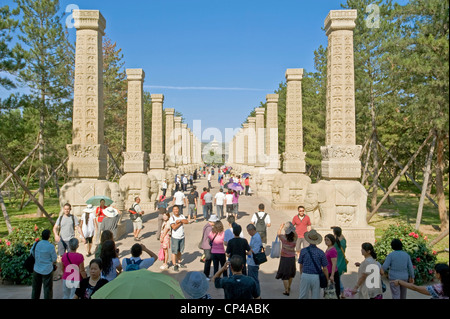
(175, 267)
(182, 265)
(164, 267)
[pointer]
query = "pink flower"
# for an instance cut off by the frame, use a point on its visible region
(418, 259)
(434, 252)
(411, 234)
(8, 243)
(416, 236)
(37, 239)
(426, 238)
(414, 267)
(430, 271)
(35, 227)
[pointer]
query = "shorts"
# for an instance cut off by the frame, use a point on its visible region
(229, 209)
(137, 224)
(63, 246)
(89, 240)
(299, 243)
(177, 245)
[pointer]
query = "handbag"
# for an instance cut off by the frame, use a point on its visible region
(329, 292)
(322, 277)
(29, 262)
(260, 257)
(275, 252)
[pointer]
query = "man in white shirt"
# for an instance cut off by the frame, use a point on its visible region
(179, 200)
(218, 202)
(261, 220)
(137, 223)
(177, 240)
(209, 180)
(164, 187)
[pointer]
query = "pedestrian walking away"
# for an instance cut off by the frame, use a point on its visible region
(286, 268)
(261, 220)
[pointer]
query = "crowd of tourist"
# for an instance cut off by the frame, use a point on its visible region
(224, 246)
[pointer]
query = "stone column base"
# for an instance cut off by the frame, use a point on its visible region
(341, 162)
(87, 161)
(156, 161)
(135, 162)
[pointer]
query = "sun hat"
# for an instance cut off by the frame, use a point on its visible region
(313, 237)
(289, 228)
(89, 208)
(213, 218)
(110, 212)
(195, 284)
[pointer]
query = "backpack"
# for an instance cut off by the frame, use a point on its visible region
(260, 223)
(132, 265)
(133, 213)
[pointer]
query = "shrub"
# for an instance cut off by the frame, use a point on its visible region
(14, 250)
(415, 244)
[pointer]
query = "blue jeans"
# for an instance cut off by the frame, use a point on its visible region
(219, 209)
(207, 210)
(253, 272)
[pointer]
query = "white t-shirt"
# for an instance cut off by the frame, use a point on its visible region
(209, 176)
(229, 199)
(261, 215)
(89, 228)
(179, 232)
(179, 197)
(219, 198)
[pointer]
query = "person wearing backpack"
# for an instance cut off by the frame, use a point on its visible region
(135, 262)
(64, 230)
(261, 220)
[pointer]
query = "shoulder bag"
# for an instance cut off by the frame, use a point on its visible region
(29, 262)
(322, 277)
(260, 257)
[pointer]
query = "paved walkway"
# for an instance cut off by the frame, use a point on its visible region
(271, 288)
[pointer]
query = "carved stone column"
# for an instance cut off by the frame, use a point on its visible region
(178, 142)
(170, 141)
(260, 143)
(157, 150)
(272, 132)
(293, 156)
(251, 136)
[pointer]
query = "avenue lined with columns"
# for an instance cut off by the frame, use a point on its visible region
(339, 199)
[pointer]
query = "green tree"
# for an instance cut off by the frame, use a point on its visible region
(49, 68)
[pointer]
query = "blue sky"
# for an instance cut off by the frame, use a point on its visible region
(214, 60)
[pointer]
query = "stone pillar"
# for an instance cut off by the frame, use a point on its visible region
(260, 136)
(245, 136)
(344, 198)
(87, 153)
(239, 149)
(87, 164)
(184, 143)
(170, 138)
(178, 141)
(157, 144)
(294, 157)
(340, 155)
(272, 132)
(251, 142)
(135, 159)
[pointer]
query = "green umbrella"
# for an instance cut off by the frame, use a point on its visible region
(95, 200)
(141, 284)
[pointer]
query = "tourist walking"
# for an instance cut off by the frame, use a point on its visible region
(255, 247)
(235, 204)
(110, 260)
(166, 233)
(135, 262)
(247, 185)
(286, 268)
(229, 202)
(209, 180)
(162, 210)
(206, 246)
(164, 187)
(179, 200)
(238, 246)
(63, 231)
(106, 235)
(177, 243)
(238, 286)
(439, 290)
(312, 262)
(341, 246)
(261, 220)
(217, 248)
(196, 285)
(192, 206)
(89, 285)
(302, 224)
(100, 216)
(208, 208)
(229, 231)
(332, 258)
(45, 257)
(137, 223)
(367, 268)
(88, 225)
(219, 200)
(399, 266)
(73, 269)
(185, 182)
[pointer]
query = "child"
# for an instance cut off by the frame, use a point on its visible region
(165, 240)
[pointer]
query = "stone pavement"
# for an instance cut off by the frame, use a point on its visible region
(271, 288)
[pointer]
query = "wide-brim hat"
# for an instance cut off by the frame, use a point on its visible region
(289, 228)
(313, 237)
(110, 212)
(213, 218)
(89, 209)
(195, 284)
